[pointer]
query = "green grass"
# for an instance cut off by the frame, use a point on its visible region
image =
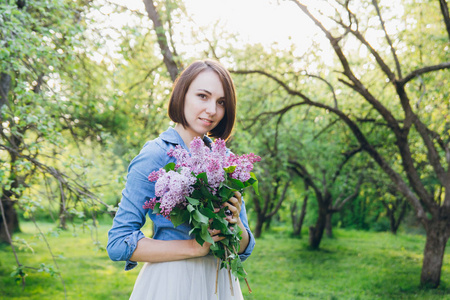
(353, 265)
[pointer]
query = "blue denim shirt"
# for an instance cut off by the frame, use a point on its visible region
(130, 217)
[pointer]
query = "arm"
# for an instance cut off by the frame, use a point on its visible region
(150, 250)
(126, 242)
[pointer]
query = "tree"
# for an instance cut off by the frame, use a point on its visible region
(417, 139)
(324, 181)
(36, 43)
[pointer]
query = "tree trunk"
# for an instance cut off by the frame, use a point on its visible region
(328, 225)
(5, 84)
(445, 15)
(268, 223)
(258, 227)
(438, 233)
(62, 216)
(12, 221)
(316, 232)
(297, 224)
(392, 223)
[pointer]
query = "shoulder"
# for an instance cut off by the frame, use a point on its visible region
(152, 156)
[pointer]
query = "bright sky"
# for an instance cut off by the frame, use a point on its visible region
(255, 21)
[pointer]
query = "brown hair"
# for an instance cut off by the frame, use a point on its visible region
(181, 86)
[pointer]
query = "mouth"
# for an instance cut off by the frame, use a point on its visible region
(206, 121)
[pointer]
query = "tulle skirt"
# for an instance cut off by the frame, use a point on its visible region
(189, 279)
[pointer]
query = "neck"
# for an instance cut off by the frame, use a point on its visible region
(186, 134)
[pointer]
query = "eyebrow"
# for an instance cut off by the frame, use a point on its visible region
(209, 93)
(206, 91)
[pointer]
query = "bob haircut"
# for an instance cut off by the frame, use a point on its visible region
(181, 85)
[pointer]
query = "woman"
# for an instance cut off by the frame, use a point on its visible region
(203, 102)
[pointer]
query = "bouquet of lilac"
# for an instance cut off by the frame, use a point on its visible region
(199, 183)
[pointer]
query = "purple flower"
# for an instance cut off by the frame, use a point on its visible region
(244, 164)
(156, 174)
(172, 187)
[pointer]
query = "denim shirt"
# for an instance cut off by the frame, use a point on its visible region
(130, 217)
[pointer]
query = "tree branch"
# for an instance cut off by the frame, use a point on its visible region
(366, 146)
(356, 84)
(445, 15)
(338, 205)
(168, 57)
(391, 46)
(301, 171)
(280, 201)
(421, 71)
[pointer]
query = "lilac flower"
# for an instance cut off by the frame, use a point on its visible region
(180, 155)
(156, 174)
(215, 174)
(244, 164)
(172, 187)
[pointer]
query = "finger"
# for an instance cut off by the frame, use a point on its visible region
(234, 213)
(235, 202)
(238, 196)
(231, 220)
(213, 232)
(232, 208)
(217, 238)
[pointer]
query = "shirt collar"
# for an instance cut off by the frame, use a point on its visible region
(172, 136)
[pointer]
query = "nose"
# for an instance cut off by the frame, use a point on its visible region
(211, 107)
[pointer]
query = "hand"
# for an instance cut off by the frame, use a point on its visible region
(202, 250)
(234, 206)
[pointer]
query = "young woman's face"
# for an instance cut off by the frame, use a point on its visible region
(204, 104)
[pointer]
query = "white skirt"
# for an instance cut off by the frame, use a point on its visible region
(189, 279)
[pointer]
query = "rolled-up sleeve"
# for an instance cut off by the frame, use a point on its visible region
(130, 217)
(251, 242)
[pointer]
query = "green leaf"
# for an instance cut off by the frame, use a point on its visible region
(205, 234)
(199, 239)
(199, 217)
(222, 225)
(196, 194)
(230, 169)
(179, 217)
(250, 181)
(254, 184)
(203, 177)
(169, 167)
(207, 212)
(192, 201)
(189, 207)
(206, 193)
(235, 184)
(225, 193)
(156, 209)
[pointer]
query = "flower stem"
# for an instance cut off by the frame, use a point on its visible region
(228, 268)
(217, 273)
(245, 278)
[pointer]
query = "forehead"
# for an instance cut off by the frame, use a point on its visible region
(208, 80)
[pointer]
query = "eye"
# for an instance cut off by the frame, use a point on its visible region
(221, 102)
(202, 96)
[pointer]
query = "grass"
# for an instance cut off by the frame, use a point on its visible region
(353, 265)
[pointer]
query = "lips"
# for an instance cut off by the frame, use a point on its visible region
(206, 121)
